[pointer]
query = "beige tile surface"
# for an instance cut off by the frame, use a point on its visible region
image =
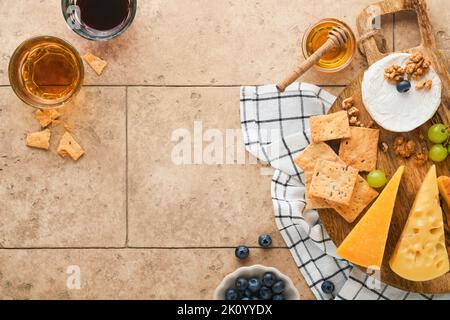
(197, 42)
(130, 273)
(49, 201)
(191, 204)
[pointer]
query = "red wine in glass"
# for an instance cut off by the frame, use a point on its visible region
(103, 15)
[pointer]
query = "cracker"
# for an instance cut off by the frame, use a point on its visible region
(307, 159)
(46, 117)
(333, 181)
(330, 127)
(68, 146)
(96, 63)
(39, 140)
(362, 196)
(360, 151)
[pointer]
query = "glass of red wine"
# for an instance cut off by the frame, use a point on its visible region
(99, 20)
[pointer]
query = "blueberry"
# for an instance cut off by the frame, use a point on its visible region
(231, 294)
(327, 287)
(265, 240)
(278, 297)
(265, 293)
(255, 298)
(278, 287)
(254, 285)
(247, 293)
(242, 252)
(245, 298)
(268, 279)
(241, 284)
(403, 86)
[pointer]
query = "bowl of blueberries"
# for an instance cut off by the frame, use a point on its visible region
(256, 283)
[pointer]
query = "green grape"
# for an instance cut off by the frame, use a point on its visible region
(376, 179)
(438, 133)
(438, 153)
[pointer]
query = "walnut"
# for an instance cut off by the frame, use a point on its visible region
(403, 148)
(353, 112)
(421, 158)
(399, 141)
(353, 120)
(348, 103)
(424, 85)
(420, 85)
(417, 66)
(394, 73)
(384, 147)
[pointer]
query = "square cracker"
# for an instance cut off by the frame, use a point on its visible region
(332, 126)
(360, 151)
(362, 196)
(307, 159)
(333, 181)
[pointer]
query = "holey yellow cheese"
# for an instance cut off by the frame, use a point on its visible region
(365, 244)
(421, 254)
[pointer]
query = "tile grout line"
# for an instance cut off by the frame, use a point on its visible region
(137, 248)
(126, 166)
(181, 86)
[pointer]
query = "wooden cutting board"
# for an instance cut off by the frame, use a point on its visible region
(336, 226)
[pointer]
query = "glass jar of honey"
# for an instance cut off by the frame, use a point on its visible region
(336, 59)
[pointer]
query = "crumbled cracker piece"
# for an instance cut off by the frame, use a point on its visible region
(96, 63)
(39, 140)
(68, 146)
(45, 117)
(394, 73)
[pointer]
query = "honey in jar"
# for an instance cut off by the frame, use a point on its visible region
(337, 58)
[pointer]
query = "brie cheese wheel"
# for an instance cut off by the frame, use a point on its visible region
(395, 111)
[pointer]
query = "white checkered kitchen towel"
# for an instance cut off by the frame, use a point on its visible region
(276, 128)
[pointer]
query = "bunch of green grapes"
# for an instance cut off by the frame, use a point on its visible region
(439, 134)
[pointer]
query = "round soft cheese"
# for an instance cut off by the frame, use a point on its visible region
(395, 111)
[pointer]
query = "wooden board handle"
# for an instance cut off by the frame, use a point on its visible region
(366, 18)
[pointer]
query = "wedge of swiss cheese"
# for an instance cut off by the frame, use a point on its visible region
(421, 254)
(365, 244)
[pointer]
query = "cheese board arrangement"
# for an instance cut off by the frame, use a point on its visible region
(377, 168)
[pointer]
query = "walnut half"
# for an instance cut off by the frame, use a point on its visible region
(394, 73)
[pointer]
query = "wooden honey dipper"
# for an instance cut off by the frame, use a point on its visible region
(336, 39)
